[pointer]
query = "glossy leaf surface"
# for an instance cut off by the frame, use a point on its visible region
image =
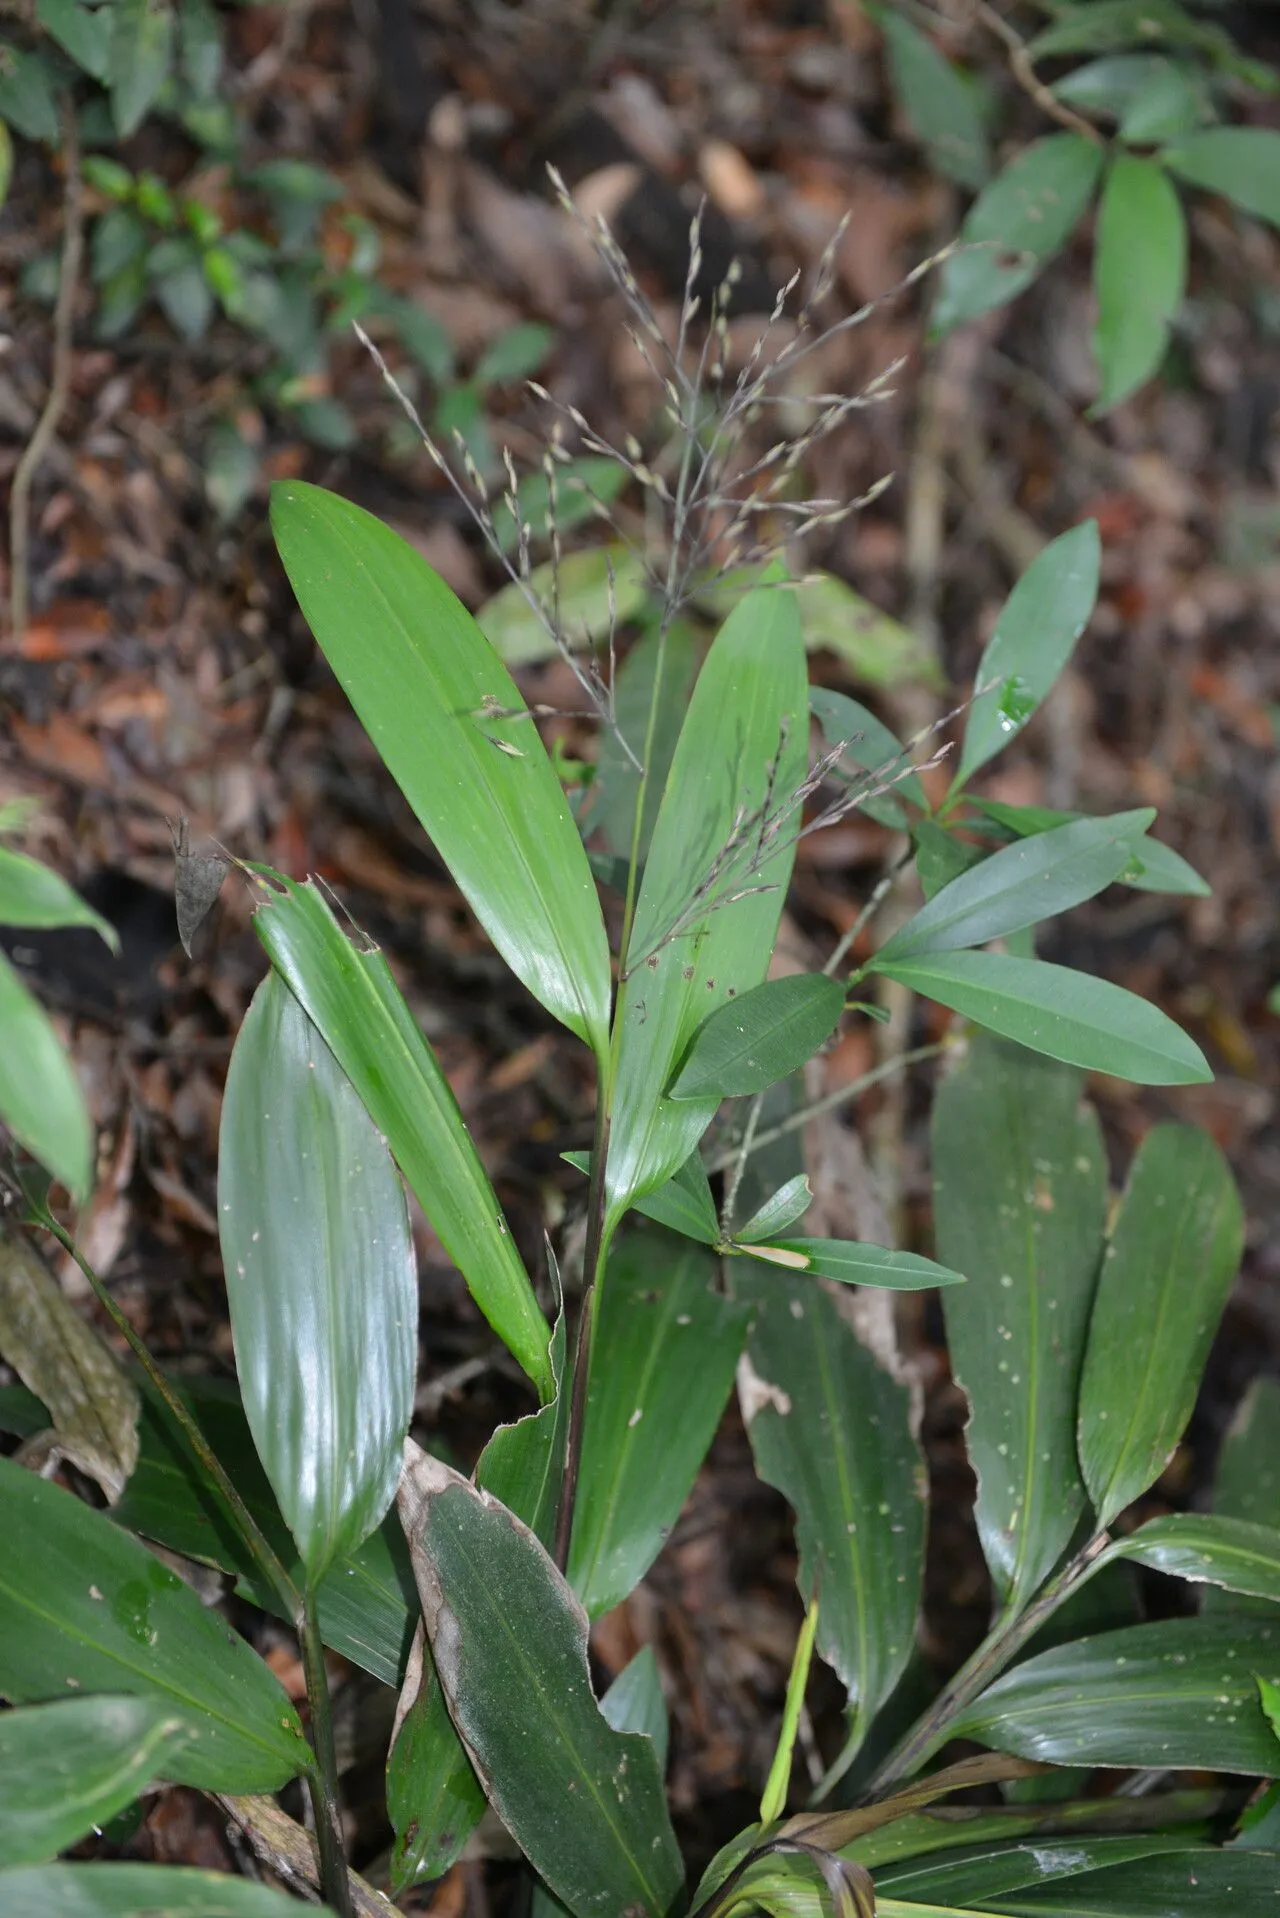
(753, 1041)
(988, 1876)
(1139, 274)
(718, 868)
(40, 1098)
(1169, 1266)
(830, 1430)
(1240, 163)
(68, 1767)
(789, 1203)
(584, 1803)
(432, 695)
(138, 1891)
(1211, 1882)
(353, 1000)
(1247, 1482)
(850, 1262)
(321, 1279)
(663, 1355)
(1023, 1216)
(1154, 867)
(1035, 635)
(1017, 223)
(618, 766)
(106, 1616)
(1020, 885)
(1065, 1014)
(1207, 1549)
(1177, 1694)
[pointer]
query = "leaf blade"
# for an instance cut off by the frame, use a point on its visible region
(68, 1767)
(40, 1097)
(755, 1040)
(1140, 273)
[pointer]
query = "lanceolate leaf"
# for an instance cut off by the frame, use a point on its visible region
(1043, 618)
(789, 1203)
(1209, 1550)
(830, 1429)
(718, 868)
(138, 1891)
(434, 1799)
(32, 895)
(871, 747)
(663, 1355)
(354, 1001)
(751, 1043)
(584, 1803)
(1240, 163)
(1019, 1196)
(942, 104)
(1154, 867)
(67, 1767)
(1068, 1015)
(1247, 1483)
(1179, 1694)
(40, 1097)
(1219, 1882)
(617, 780)
(435, 699)
(1017, 223)
(587, 595)
(850, 1262)
(104, 1615)
(1173, 1255)
(1139, 273)
(1022, 884)
(321, 1279)
(987, 1876)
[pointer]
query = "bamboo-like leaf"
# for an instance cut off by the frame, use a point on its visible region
(104, 1615)
(1178, 1694)
(138, 1891)
(618, 765)
(1154, 867)
(1207, 1549)
(1139, 273)
(33, 895)
(456, 736)
(830, 1430)
(1247, 1482)
(584, 1803)
(1065, 1014)
(321, 1277)
(1019, 1198)
(352, 998)
(434, 1799)
(92, 1405)
(718, 869)
(1071, 1874)
(1031, 880)
(40, 1097)
(1017, 223)
(68, 1767)
(1212, 1882)
(751, 1043)
(1042, 619)
(663, 1355)
(873, 749)
(850, 1262)
(1169, 1266)
(789, 1203)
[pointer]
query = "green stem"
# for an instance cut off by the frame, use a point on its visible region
(264, 1557)
(1002, 1643)
(592, 1267)
(322, 1778)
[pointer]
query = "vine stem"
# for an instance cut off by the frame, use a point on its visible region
(1001, 1644)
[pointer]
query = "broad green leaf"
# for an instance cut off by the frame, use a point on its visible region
(435, 699)
(873, 749)
(1139, 274)
(1269, 1699)
(91, 1404)
(718, 868)
(1178, 1694)
(943, 1828)
(366, 1602)
(83, 32)
(1240, 163)
(876, 649)
(1019, 1200)
(584, 1803)
(1154, 867)
(68, 1767)
(1066, 1014)
(940, 857)
(1017, 223)
(434, 1799)
(751, 1043)
(105, 1615)
(141, 48)
(138, 1891)
(1211, 1882)
(941, 103)
(789, 1203)
(1042, 619)
(351, 996)
(634, 1702)
(850, 1262)
(990, 1874)
(684, 1204)
(1207, 1549)
(1247, 1482)
(1171, 103)
(28, 101)
(617, 769)
(321, 1276)
(1102, 26)
(40, 1097)
(663, 1354)
(523, 1463)
(831, 1431)
(586, 595)
(1022, 884)
(1111, 84)
(1173, 1254)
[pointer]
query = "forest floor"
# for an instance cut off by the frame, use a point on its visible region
(165, 672)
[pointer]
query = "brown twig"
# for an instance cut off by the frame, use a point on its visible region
(282, 1845)
(1023, 70)
(60, 374)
